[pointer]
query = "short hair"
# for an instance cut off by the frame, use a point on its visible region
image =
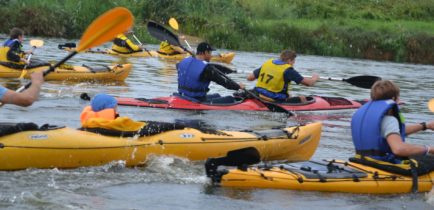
(15, 33)
(384, 90)
(288, 55)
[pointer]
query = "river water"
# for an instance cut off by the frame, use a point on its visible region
(173, 183)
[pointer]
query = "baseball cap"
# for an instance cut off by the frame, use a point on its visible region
(103, 101)
(203, 46)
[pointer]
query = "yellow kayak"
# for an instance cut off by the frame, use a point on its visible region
(224, 57)
(71, 148)
(326, 176)
(74, 73)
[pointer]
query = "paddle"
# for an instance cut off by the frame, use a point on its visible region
(363, 81)
(240, 158)
(135, 37)
(174, 24)
(35, 43)
(431, 105)
(163, 34)
(101, 30)
(67, 45)
(271, 106)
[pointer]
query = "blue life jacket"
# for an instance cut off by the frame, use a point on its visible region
(189, 84)
(9, 42)
(366, 130)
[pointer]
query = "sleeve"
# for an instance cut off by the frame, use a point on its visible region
(256, 72)
(3, 91)
(210, 74)
(132, 45)
(389, 125)
(292, 75)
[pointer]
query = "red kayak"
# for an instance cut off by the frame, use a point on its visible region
(175, 102)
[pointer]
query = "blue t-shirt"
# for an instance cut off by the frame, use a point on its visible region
(3, 90)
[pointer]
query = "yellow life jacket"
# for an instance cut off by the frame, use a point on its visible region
(4, 49)
(166, 48)
(271, 77)
(122, 44)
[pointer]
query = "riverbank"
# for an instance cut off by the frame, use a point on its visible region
(390, 30)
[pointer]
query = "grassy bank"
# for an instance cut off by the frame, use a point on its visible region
(394, 30)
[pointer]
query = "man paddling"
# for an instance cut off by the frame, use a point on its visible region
(275, 76)
(379, 131)
(122, 44)
(195, 76)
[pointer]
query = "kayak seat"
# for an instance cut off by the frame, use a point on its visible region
(11, 128)
(322, 170)
(153, 101)
(95, 69)
(337, 101)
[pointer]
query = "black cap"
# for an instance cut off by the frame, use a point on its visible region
(203, 47)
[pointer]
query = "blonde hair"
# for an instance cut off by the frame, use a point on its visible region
(287, 55)
(383, 90)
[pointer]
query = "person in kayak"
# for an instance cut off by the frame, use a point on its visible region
(168, 49)
(195, 76)
(102, 115)
(122, 44)
(378, 130)
(25, 98)
(11, 52)
(275, 76)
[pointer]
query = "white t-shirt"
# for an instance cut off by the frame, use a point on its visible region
(389, 125)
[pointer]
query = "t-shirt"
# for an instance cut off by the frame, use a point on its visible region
(389, 125)
(3, 90)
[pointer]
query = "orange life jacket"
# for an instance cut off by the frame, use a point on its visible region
(87, 113)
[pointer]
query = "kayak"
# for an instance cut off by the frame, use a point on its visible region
(223, 57)
(74, 73)
(326, 176)
(61, 147)
(315, 103)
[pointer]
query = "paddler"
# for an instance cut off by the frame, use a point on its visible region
(122, 44)
(11, 52)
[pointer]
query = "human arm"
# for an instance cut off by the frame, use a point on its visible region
(211, 74)
(390, 130)
(414, 128)
(254, 75)
(28, 96)
(310, 81)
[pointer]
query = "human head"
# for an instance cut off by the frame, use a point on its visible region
(16, 33)
(384, 90)
(205, 50)
(288, 56)
(103, 101)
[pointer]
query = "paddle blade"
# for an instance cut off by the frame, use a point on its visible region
(221, 68)
(163, 34)
(239, 158)
(431, 105)
(364, 81)
(36, 43)
(173, 23)
(106, 27)
(67, 45)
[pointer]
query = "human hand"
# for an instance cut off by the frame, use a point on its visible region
(251, 77)
(315, 76)
(242, 86)
(37, 78)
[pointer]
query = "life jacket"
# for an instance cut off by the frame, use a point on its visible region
(87, 113)
(118, 124)
(5, 49)
(366, 130)
(121, 44)
(189, 84)
(166, 48)
(271, 81)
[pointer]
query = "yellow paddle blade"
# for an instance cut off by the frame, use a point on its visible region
(173, 23)
(431, 105)
(106, 27)
(36, 43)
